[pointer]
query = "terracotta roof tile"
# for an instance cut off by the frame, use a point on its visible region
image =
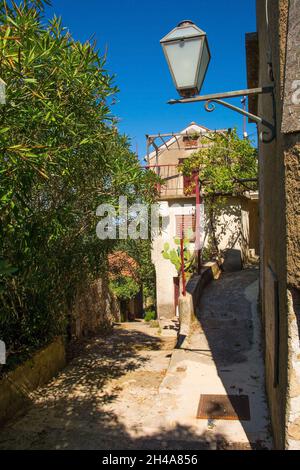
(121, 264)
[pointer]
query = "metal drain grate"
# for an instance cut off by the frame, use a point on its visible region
(234, 407)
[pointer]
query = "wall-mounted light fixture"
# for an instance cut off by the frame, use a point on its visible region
(187, 53)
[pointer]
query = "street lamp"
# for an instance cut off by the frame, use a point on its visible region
(187, 53)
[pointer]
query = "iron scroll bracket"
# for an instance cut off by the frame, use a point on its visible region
(210, 100)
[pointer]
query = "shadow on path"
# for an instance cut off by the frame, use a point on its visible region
(228, 332)
(80, 409)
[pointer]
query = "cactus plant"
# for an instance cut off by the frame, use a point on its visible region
(174, 256)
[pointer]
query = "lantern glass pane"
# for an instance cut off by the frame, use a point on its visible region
(183, 58)
(203, 66)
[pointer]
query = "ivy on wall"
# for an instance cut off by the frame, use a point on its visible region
(226, 165)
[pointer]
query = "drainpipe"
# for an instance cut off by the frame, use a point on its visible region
(182, 261)
(197, 241)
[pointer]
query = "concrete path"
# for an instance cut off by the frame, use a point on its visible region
(223, 356)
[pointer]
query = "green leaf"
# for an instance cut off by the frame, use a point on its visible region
(6, 269)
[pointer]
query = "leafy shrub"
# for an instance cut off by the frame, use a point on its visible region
(60, 156)
(140, 251)
(124, 288)
(150, 315)
(226, 165)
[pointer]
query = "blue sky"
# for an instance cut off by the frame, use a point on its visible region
(131, 30)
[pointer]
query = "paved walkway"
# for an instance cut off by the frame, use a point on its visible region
(106, 398)
(131, 390)
(223, 355)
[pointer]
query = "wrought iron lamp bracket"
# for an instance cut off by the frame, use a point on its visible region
(265, 136)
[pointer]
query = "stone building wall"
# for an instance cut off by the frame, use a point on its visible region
(95, 307)
(279, 232)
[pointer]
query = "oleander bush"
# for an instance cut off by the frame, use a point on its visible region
(61, 156)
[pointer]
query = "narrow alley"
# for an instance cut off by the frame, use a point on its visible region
(223, 357)
(149, 230)
(129, 389)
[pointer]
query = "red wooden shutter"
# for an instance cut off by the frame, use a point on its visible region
(186, 224)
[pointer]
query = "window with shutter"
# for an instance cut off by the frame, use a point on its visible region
(186, 226)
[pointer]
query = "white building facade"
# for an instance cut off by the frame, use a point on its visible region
(237, 217)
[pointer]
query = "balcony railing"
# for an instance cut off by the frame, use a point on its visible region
(174, 184)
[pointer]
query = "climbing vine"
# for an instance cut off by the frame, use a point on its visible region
(226, 165)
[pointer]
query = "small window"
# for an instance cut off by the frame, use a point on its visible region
(186, 226)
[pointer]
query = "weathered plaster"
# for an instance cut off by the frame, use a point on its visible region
(233, 230)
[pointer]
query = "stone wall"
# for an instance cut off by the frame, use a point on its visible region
(95, 307)
(293, 393)
(189, 303)
(292, 167)
(279, 234)
(16, 386)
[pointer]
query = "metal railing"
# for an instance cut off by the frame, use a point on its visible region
(173, 183)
